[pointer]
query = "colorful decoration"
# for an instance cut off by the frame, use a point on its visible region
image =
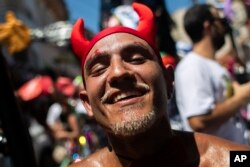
(14, 34)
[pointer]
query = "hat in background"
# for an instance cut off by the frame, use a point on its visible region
(35, 87)
(65, 86)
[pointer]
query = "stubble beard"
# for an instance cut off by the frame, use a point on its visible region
(136, 124)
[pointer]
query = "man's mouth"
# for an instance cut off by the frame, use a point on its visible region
(125, 95)
(117, 96)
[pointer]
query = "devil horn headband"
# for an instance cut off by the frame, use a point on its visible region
(145, 30)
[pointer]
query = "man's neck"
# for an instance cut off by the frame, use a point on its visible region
(204, 48)
(144, 144)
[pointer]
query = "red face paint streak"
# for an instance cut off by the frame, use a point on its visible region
(96, 52)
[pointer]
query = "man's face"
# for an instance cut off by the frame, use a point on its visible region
(125, 86)
(218, 30)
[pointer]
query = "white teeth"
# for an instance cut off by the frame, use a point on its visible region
(125, 94)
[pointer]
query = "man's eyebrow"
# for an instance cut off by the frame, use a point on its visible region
(94, 57)
(137, 46)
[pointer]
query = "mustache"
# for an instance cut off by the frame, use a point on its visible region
(141, 86)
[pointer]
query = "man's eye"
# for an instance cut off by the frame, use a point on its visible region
(97, 69)
(137, 59)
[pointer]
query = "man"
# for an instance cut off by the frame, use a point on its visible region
(126, 89)
(62, 121)
(207, 98)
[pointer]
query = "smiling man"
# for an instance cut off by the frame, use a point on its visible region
(123, 84)
(126, 88)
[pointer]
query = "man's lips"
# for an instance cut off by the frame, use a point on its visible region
(125, 95)
(111, 97)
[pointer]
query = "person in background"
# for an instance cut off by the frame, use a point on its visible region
(62, 120)
(207, 98)
(125, 88)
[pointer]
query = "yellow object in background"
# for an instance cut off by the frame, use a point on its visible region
(82, 140)
(14, 34)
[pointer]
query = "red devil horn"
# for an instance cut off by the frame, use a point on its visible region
(78, 40)
(146, 22)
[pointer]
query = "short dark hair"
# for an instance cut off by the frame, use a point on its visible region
(194, 19)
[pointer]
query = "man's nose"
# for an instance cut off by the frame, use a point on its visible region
(119, 72)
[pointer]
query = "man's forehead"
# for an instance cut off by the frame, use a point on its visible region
(114, 43)
(118, 38)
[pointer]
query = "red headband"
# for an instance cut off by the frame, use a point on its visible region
(145, 30)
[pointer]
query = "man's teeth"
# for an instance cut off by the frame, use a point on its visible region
(125, 95)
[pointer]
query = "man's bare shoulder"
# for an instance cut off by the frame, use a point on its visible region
(205, 140)
(215, 151)
(102, 157)
(207, 150)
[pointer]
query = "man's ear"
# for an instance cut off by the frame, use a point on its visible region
(86, 104)
(169, 77)
(207, 26)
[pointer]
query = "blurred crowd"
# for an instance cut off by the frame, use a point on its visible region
(60, 128)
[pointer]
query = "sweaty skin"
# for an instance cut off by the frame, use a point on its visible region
(184, 149)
